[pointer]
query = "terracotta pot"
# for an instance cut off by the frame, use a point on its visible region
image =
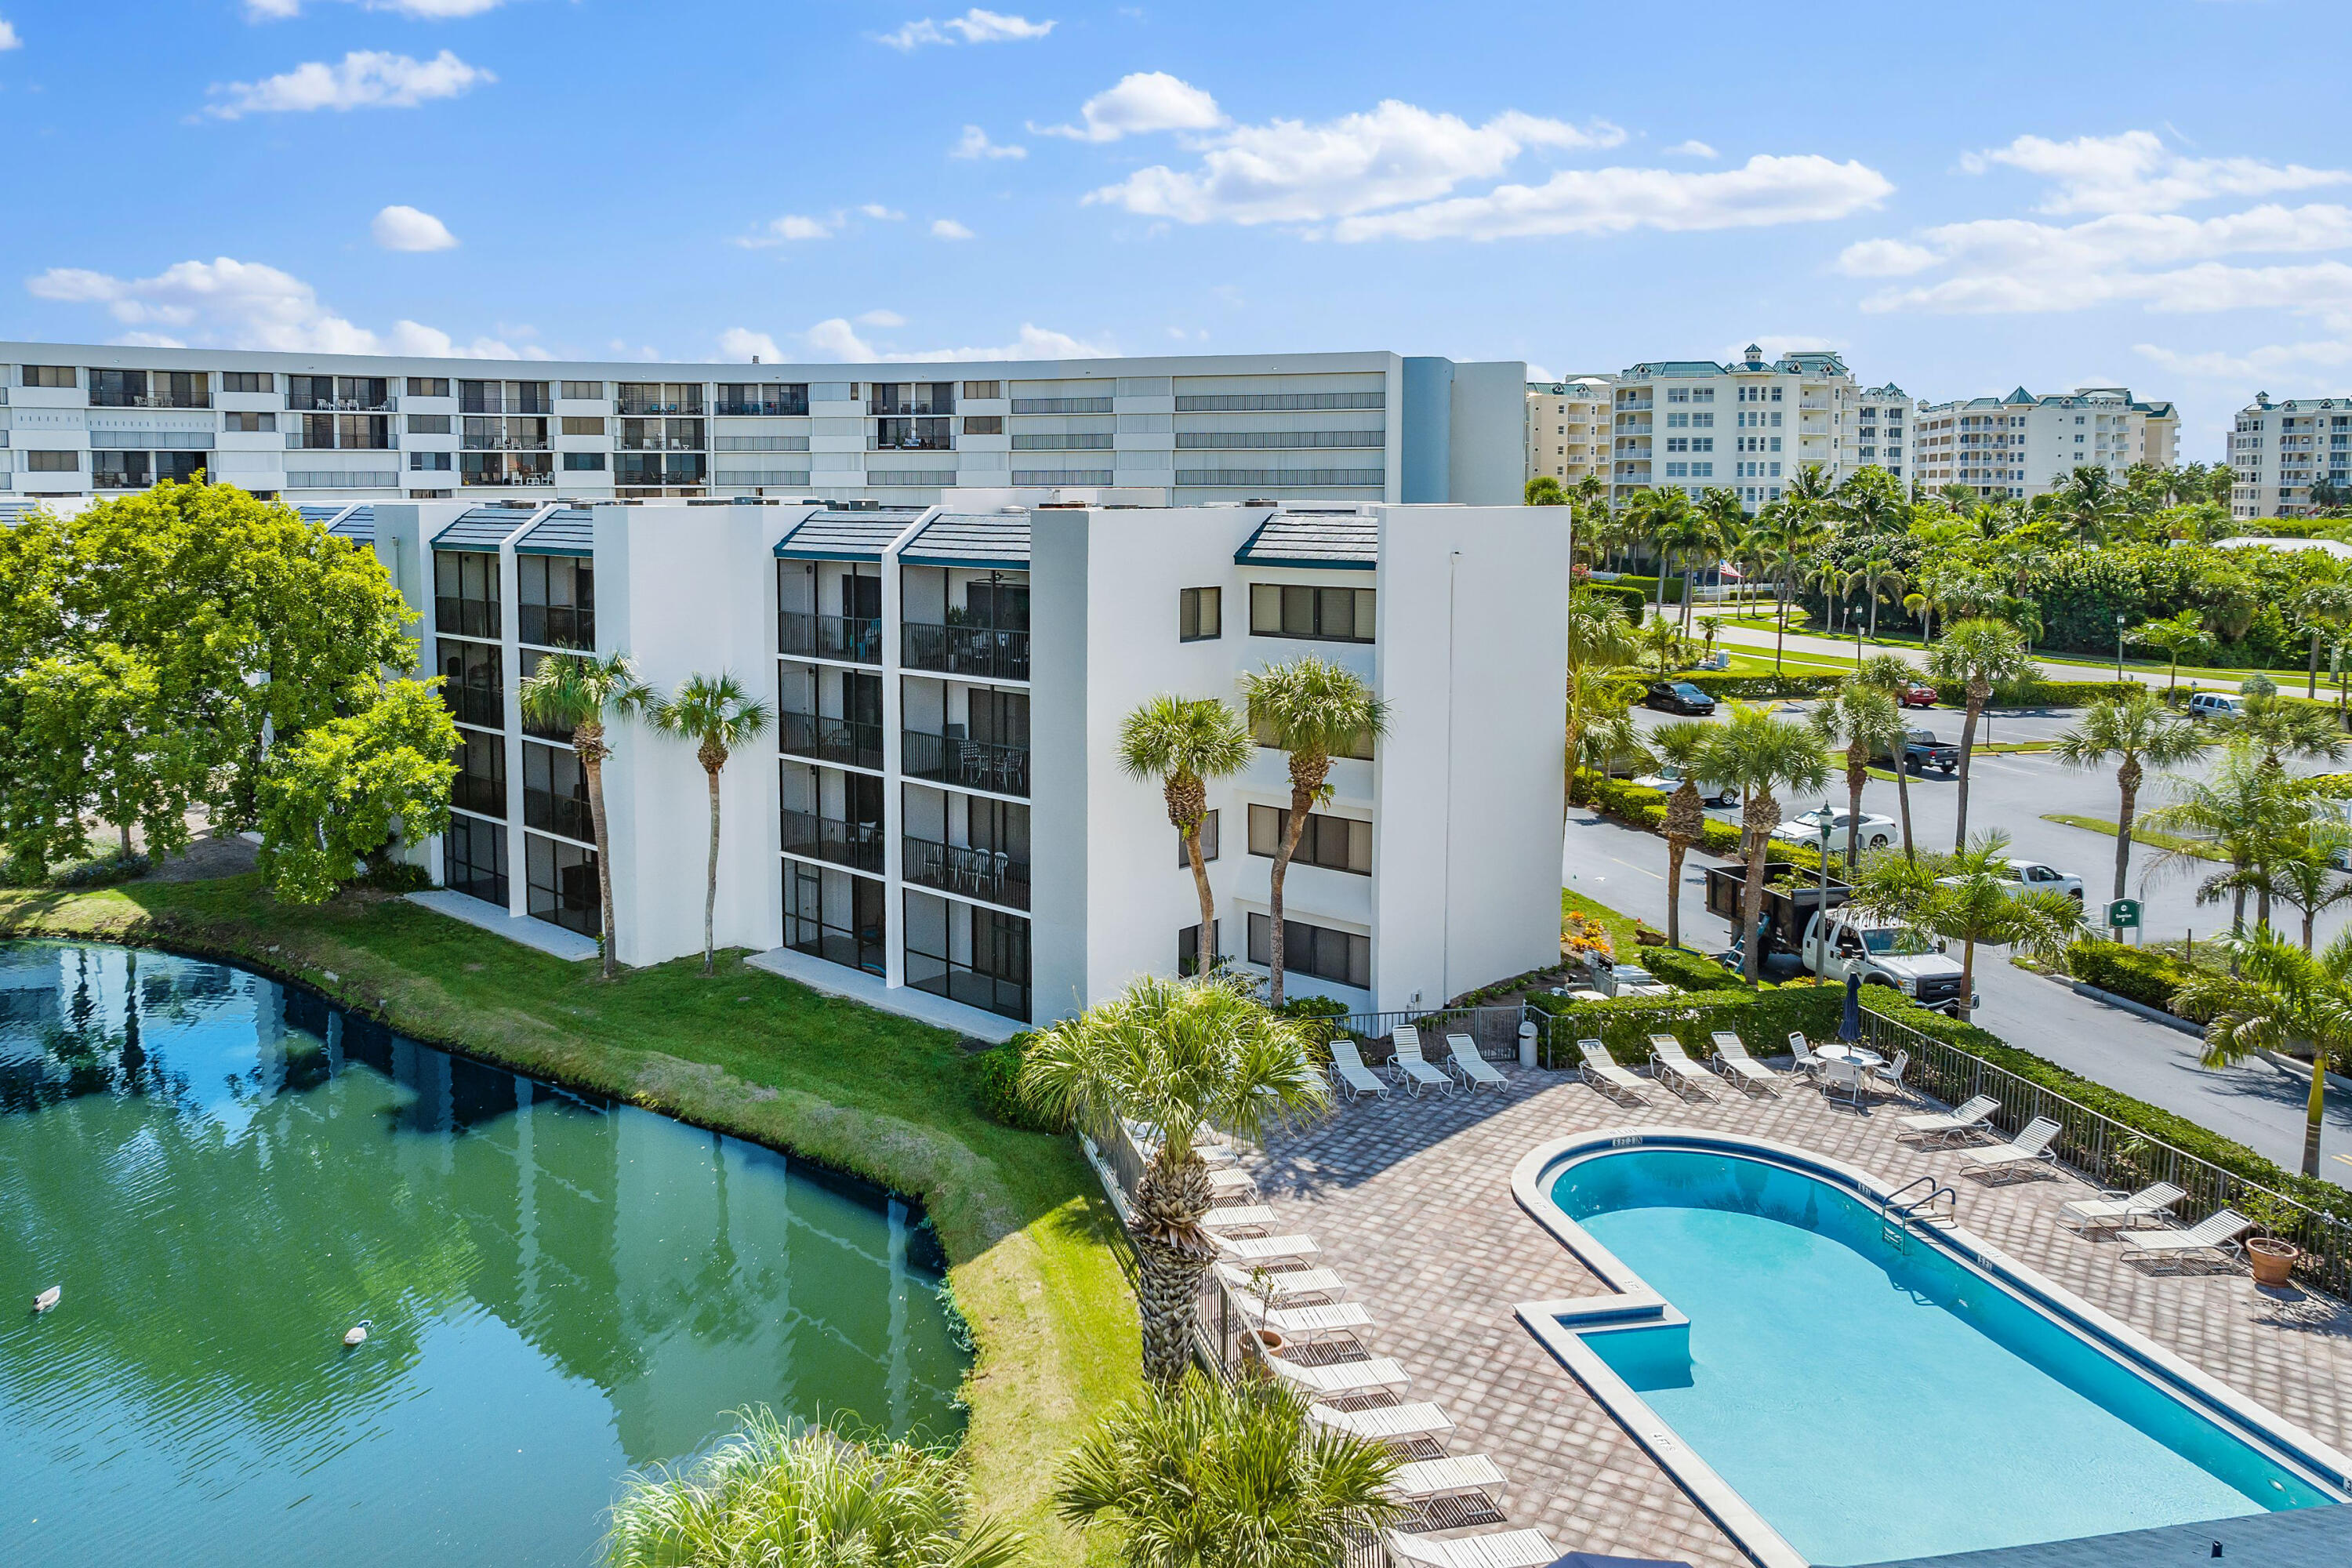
(1256, 1345)
(2272, 1259)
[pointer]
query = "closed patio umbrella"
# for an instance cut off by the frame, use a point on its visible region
(1850, 1022)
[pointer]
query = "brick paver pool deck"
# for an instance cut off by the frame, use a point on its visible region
(1410, 1201)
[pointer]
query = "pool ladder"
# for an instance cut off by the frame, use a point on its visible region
(1937, 1204)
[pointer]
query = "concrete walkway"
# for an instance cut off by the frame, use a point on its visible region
(840, 980)
(539, 934)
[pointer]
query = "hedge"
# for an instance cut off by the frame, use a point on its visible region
(1646, 809)
(2034, 693)
(1723, 687)
(2133, 972)
(1631, 598)
(1647, 586)
(996, 1086)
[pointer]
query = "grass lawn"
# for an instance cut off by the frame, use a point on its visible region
(2154, 839)
(1036, 1252)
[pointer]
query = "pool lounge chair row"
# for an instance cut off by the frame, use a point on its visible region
(1675, 1068)
(1465, 1069)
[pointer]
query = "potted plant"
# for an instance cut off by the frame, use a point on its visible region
(2270, 1256)
(1259, 1341)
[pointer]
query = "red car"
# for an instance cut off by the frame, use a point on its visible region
(1914, 695)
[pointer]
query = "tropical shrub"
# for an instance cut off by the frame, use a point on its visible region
(1725, 687)
(2133, 972)
(996, 1087)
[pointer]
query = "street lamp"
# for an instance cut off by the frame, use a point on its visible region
(2119, 644)
(1822, 914)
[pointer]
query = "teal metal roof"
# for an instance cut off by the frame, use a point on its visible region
(1340, 540)
(566, 530)
(999, 539)
(861, 535)
(358, 524)
(483, 527)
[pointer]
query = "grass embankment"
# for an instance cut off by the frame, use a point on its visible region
(1033, 1244)
(2154, 839)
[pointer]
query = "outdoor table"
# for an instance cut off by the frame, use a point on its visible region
(1839, 1052)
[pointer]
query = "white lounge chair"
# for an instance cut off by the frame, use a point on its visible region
(1472, 1067)
(1501, 1549)
(1285, 1289)
(1448, 1476)
(1238, 1216)
(1945, 1126)
(1800, 1051)
(1266, 1248)
(1339, 1379)
(1231, 1185)
(1677, 1072)
(2029, 1150)
(1732, 1060)
(1411, 1069)
(2120, 1210)
(1387, 1423)
(1348, 1072)
(1303, 1323)
(1602, 1071)
(2218, 1235)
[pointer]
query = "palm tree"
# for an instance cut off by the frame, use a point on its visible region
(1977, 656)
(2281, 998)
(717, 715)
(802, 1496)
(1682, 533)
(2184, 633)
(1967, 896)
(1599, 644)
(1663, 641)
(1890, 673)
(575, 691)
(1175, 1056)
(1728, 518)
(1864, 719)
(2135, 730)
(1184, 741)
(1877, 573)
(2280, 728)
(1544, 490)
(1758, 753)
(2243, 807)
(2088, 499)
(1686, 748)
(1217, 1476)
(2305, 874)
(1316, 710)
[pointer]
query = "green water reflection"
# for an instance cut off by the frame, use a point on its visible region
(224, 1176)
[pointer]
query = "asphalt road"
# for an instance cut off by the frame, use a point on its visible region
(2258, 1105)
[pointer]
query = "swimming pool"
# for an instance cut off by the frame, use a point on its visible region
(1832, 1396)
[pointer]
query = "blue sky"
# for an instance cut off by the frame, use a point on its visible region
(2146, 192)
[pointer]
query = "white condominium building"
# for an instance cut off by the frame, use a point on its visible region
(2022, 445)
(1569, 429)
(79, 420)
(2279, 450)
(938, 820)
(1751, 426)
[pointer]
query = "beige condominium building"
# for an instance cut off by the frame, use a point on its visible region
(2022, 445)
(1749, 427)
(2279, 450)
(1567, 428)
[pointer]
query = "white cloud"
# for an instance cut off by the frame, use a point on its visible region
(1288, 171)
(421, 10)
(227, 303)
(2253, 365)
(1140, 103)
(1765, 189)
(947, 228)
(837, 339)
(406, 228)
(974, 143)
(1691, 149)
(1885, 258)
(881, 318)
(365, 78)
(974, 27)
(8, 38)
(881, 214)
(793, 227)
(2135, 173)
(739, 342)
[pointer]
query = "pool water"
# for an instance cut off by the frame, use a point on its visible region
(224, 1176)
(1872, 1403)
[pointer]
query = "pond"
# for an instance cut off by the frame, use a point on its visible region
(222, 1176)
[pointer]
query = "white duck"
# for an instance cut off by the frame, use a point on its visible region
(48, 1299)
(357, 1333)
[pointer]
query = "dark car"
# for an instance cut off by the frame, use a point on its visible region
(1677, 697)
(1922, 750)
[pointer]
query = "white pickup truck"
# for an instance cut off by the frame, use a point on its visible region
(2033, 876)
(1883, 954)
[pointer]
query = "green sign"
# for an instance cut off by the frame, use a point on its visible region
(2123, 914)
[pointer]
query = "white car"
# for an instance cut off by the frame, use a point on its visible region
(1669, 778)
(1870, 830)
(2033, 876)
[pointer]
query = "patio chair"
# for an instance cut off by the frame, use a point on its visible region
(1413, 1071)
(2216, 1235)
(1602, 1071)
(1499, 1549)
(1290, 1288)
(1238, 1216)
(1801, 1052)
(1888, 1080)
(1831, 1076)
(1232, 1186)
(1677, 1072)
(2119, 1210)
(2023, 1154)
(1266, 1248)
(1300, 1325)
(1451, 1477)
(1472, 1067)
(1950, 1126)
(1397, 1424)
(1341, 1379)
(1732, 1060)
(1348, 1072)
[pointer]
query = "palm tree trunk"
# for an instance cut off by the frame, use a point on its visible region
(588, 743)
(1857, 772)
(1205, 956)
(711, 879)
(1967, 978)
(1675, 847)
(1967, 746)
(2311, 680)
(2128, 786)
(1758, 819)
(1303, 794)
(1172, 1253)
(1903, 798)
(1781, 624)
(2314, 1107)
(2310, 916)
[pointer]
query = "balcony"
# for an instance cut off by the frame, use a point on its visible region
(105, 399)
(465, 618)
(857, 845)
(338, 404)
(759, 408)
(973, 764)
(988, 873)
(829, 740)
(660, 444)
(915, 443)
(687, 401)
(854, 639)
(980, 653)
(506, 481)
(553, 813)
(890, 404)
(557, 625)
(474, 792)
(482, 705)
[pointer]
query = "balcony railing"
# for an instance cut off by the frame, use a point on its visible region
(990, 874)
(552, 813)
(150, 400)
(340, 404)
(659, 444)
(503, 444)
(980, 652)
(842, 740)
(465, 617)
(902, 407)
(913, 444)
(960, 982)
(505, 481)
(857, 845)
(856, 640)
(785, 405)
(557, 625)
(637, 404)
(975, 764)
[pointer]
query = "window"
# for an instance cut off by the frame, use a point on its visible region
(1361, 751)
(249, 423)
(474, 859)
(247, 381)
(1200, 613)
(577, 462)
(556, 601)
(1678, 443)
(1188, 949)
(429, 425)
(983, 424)
(53, 462)
(465, 590)
(428, 386)
(1291, 610)
(1334, 843)
(1678, 395)
(1701, 443)
(1208, 843)
(584, 391)
(471, 682)
(1775, 397)
(481, 781)
(973, 389)
(49, 376)
(1702, 421)
(555, 792)
(1702, 394)
(562, 879)
(1338, 956)
(429, 462)
(1678, 421)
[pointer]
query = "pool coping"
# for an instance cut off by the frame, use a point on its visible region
(1561, 1325)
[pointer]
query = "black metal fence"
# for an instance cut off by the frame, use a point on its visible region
(1495, 1030)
